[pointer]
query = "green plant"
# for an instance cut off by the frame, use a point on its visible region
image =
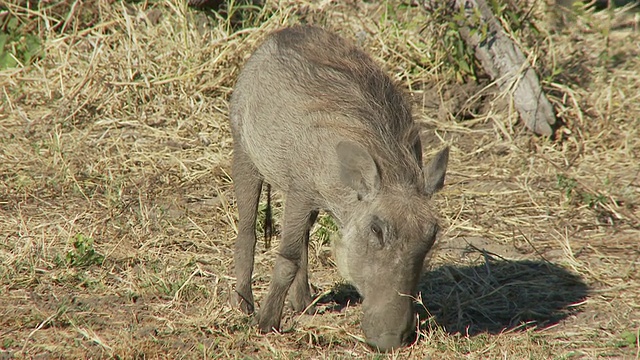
(516, 13)
(7, 342)
(460, 56)
(629, 338)
(572, 192)
(566, 184)
(326, 227)
(592, 200)
(16, 46)
(83, 253)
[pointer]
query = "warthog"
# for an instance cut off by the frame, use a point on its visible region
(314, 116)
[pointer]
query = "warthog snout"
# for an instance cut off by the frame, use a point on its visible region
(389, 327)
(391, 340)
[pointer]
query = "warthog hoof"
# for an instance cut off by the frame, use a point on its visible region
(244, 303)
(268, 323)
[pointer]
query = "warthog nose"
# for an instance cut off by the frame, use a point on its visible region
(390, 341)
(386, 342)
(386, 331)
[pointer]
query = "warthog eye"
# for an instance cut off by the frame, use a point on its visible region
(377, 231)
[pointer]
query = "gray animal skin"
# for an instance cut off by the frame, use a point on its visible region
(315, 117)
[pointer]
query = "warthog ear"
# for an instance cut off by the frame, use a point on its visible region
(357, 168)
(434, 171)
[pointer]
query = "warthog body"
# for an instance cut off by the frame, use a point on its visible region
(315, 117)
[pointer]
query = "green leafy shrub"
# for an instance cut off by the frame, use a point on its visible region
(17, 48)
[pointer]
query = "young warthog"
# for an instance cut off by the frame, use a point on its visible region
(315, 117)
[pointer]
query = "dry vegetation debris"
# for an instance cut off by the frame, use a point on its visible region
(117, 215)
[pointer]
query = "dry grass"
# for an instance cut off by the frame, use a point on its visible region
(117, 215)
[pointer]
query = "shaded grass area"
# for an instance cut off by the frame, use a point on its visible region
(501, 296)
(117, 216)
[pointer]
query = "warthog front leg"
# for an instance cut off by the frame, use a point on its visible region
(291, 261)
(247, 183)
(300, 294)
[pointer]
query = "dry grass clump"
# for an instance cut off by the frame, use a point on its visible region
(117, 215)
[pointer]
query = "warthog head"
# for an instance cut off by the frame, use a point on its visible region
(385, 242)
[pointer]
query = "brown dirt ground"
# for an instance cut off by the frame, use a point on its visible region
(117, 141)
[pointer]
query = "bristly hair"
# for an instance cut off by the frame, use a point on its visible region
(345, 80)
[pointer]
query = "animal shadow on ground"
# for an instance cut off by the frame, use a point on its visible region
(340, 296)
(500, 295)
(492, 297)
